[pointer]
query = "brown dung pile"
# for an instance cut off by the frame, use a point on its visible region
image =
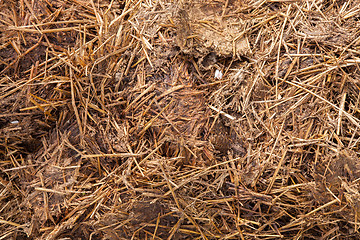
(115, 121)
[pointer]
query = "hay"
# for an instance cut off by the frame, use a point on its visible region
(114, 126)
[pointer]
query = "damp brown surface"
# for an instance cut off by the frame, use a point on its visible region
(179, 119)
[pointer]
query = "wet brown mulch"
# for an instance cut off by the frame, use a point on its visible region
(179, 120)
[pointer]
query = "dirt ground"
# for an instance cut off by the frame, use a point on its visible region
(192, 119)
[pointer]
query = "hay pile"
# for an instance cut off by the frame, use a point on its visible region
(113, 126)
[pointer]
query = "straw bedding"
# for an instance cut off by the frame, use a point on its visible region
(114, 126)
